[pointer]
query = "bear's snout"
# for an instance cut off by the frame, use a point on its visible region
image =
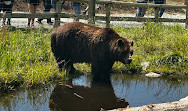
(127, 59)
(130, 58)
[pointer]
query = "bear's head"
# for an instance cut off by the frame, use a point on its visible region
(123, 50)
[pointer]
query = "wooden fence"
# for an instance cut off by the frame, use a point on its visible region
(91, 17)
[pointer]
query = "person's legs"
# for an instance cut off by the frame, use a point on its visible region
(31, 8)
(77, 10)
(8, 19)
(34, 11)
(141, 11)
(47, 10)
(54, 4)
(6, 9)
(9, 11)
(161, 10)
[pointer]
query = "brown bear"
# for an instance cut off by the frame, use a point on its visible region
(77, 42)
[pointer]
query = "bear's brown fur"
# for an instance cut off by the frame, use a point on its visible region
(77, 42)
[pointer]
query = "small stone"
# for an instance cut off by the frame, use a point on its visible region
(152, 74)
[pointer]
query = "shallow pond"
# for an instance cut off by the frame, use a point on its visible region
(80, 95)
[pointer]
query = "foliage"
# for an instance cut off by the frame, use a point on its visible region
(26, 58)
(165, 47)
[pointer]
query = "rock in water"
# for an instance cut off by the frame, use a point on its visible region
(152, 74)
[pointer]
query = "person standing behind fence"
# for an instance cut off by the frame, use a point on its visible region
(47, 6)
(86, 9)
(54, 2)
(141, 11)
(6, 7)
(77, 9)
(32, 5)
(160, 2)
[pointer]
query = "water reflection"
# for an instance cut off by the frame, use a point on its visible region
(134, 89)
(28, 99)
(142, 91)
(77, 96)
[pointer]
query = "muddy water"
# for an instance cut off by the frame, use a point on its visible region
(80, 95)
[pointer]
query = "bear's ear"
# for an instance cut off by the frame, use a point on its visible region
(120, 43)
(132, 43)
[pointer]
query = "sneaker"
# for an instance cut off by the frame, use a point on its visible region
(8, 23)
(84, 12)
(32, 26)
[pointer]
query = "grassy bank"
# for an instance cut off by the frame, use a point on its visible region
(26, 57)
(165, 47)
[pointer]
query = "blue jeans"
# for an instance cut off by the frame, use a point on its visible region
(47, 7)
(160, 2)
(76, 7)
(54, 4)
(141, 11)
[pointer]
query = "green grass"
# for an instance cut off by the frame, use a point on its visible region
(26, 57)
(165, 47)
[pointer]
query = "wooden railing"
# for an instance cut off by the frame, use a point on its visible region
(91, 17)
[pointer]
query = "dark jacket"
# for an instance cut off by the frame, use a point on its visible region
(6, 5)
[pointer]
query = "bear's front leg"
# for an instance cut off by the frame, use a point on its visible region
(101, 72)
(60, 64)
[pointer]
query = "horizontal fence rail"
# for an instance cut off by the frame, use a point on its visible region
(58, 14)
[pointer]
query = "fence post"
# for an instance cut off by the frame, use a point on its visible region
(108, 10)
(58, 11)
(157, 14)
(186, 3)
(91, 12)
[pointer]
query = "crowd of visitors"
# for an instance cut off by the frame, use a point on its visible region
(6, 7)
